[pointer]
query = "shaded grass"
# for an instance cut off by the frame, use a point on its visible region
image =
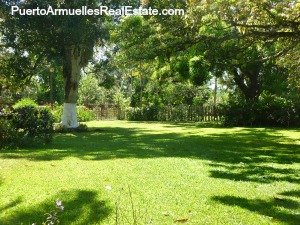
(209, 175)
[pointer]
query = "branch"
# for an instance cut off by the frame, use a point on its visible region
(278, 34)
(36, 64)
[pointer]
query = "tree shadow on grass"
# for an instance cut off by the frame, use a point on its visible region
(254, 173)
(278, 209)
(241, 154)
(80, 207)
(12, 204)
(294, 193)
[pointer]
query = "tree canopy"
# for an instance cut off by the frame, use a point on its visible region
(251, 47)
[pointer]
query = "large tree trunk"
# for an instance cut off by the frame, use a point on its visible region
(248, 82)
(71, 74)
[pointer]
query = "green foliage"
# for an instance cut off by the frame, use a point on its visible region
(278, 110)
(34, 124)
(59, 128)
(234, 37)
(164, 72)
(181, 67)
(89, 91)
(129, 36)
(31, 42)
(146, 113)
(83, 113)
(175, 113)
(50, 84)
(52, 217)
(269, 110)
(26, 125)
(8, 134)
(25, 102)
(57, 112)
(183, 93)
(16, 68)
(198, 69)
(81, 128)
(134, 114)
(104, 71)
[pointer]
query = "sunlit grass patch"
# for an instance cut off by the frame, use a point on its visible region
(163, 173)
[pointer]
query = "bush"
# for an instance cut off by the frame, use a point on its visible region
(84, 114)
(34, 123)
(162, 113)
(134, 114)
(25, 102)
(278, 111)
(8, 134)
(236, 113)
(147, 113)
(151, 113)
(24, 125)
(269, 110)
(57, 113)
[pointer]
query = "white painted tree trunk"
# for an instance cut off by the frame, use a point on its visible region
(71, 73)
(69, 117)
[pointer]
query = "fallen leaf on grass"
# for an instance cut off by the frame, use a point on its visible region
(181, 220)
(166, 214)
(108, 187)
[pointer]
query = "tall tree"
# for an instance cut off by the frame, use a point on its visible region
(244, 38)
(70, 38)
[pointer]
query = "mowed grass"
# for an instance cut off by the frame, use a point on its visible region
(156, 173)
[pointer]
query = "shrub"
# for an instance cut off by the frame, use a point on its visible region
(34, 123)
(239, 113)
(147, 113)
(24, 125)
(84, 114)
(25, 102)
(134, 114)
(269, 110)
(159, 113)
(8, 134)
(57, 113)
(278, 111)
(150, 113)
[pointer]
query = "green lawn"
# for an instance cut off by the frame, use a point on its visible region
(156, 173)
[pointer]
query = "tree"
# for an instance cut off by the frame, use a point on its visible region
(245, 38)
(89, 90)
(50, 84)
(128, 38)
(69, 38)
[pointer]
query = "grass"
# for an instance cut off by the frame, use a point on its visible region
(156, 173)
